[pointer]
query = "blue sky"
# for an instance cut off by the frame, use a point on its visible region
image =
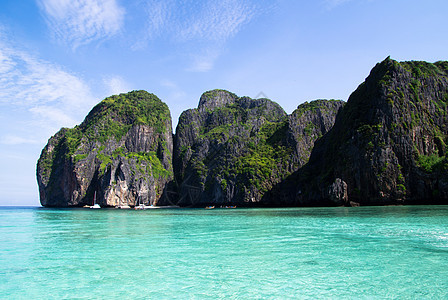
(58, 58)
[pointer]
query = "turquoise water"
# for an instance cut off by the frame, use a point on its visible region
(308, 253)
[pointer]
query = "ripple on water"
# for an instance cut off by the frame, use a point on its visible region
(380, 252)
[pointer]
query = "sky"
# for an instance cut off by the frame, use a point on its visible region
(59, 58)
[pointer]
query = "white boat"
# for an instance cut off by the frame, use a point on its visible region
(152, 207)
(95, 205)
(123, 207)
(141, 206)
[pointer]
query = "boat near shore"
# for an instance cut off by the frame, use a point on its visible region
(122, 207)
(142, 207)
(222, 206)
(95, 205)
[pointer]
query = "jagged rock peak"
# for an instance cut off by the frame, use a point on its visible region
(386, 145)
(216, 98)
(232, 150)
(388, 70)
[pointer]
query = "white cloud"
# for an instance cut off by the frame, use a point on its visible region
(174, 92)
(217, 20)
(207, 25)
(37, 98)
(43, 95)
(168, 84)
(6, 63)
(331, 4)
(158, 12)
(116, 85)
(53, 115)
(334, 3)
(203, 62)
(16, 140)
(79, 22)
(214, 24)
(27, 80)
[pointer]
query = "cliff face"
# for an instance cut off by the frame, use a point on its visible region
(232, 151)
(122, 151)
(309, 122)
(388, 144)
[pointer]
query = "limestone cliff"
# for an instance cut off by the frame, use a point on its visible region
(122, 152)
(232, 150)
(309, 122)
(388, 144)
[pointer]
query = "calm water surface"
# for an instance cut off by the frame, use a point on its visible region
(367, 252)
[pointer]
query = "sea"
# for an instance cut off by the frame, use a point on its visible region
(393, 252)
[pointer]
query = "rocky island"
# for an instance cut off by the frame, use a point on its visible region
(232, 150)
(386, 145)
(122, 151)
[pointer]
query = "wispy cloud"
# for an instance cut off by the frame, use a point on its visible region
(79, 22)
(177, 96)
(217, 20)
(175, 93)
(116, 84)
(168, 84)
(157, 15)
(16, 140)
(207, 24)
(45, 96)
(331, 4)
(27, 81)
(53, 115)
(204, 61)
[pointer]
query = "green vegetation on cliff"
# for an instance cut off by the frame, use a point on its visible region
(115, 115)
(314, 106)
(128, 133)
(235, 149)
(112, 118)
(388, 144)
(266, 158)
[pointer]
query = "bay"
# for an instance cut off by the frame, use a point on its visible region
(307, 253)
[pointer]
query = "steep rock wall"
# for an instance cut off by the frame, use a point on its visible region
(388, 144)
(122, 152)
(232, 150)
